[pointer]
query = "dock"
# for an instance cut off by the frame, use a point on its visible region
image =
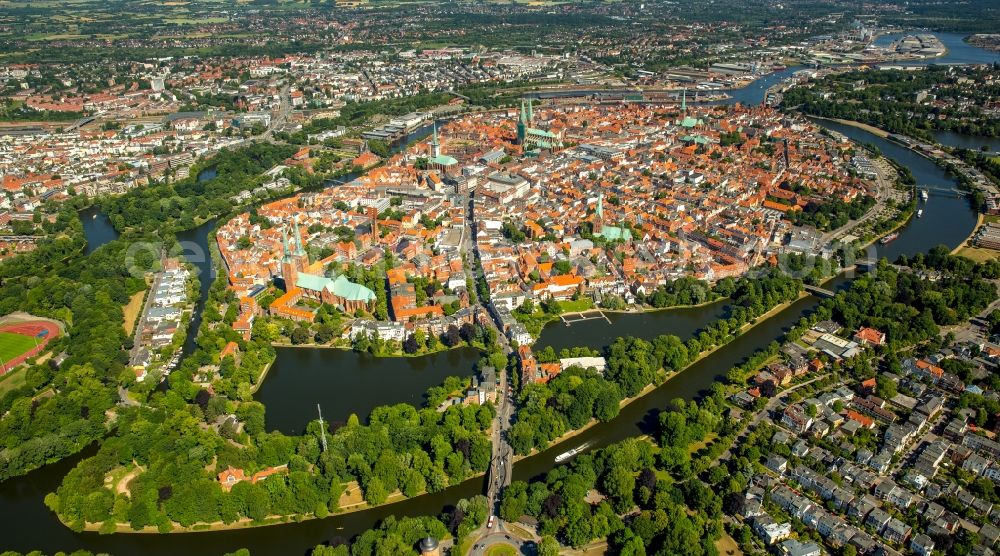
(592, 314)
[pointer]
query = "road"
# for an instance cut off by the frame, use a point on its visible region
(280, 117)
(766, 411)
(499, 475)
(883, 190)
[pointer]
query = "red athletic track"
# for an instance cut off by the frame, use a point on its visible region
(32, 329)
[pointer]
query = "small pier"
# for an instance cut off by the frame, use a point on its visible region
(592, 314)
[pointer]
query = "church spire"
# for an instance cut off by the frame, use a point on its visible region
(684, 95)
(600, 205)
(299, 250)
(435, 144)
(284, 244)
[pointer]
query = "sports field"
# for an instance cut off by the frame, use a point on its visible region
(13, 345)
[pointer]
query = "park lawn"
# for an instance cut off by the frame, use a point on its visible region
(131, 310)
(978, 254)
(12, 380)
(13, 345)
(727, 545)
(501, 550)
(570, 306)
(696, 446)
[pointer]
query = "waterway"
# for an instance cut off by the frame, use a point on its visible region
(29, 525)
(959, 51)
(197, 251)
(683, 322)
(963, 141)
(345, 382)
(97, 228)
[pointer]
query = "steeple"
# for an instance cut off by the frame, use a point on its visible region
(287, 253)
(435, 145)
(600, 205)
(684, 95)
(289, 268)
(299, 250)
(531, 113)
(522, 124)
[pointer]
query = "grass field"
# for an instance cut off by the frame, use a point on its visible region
(12, 345)
(12, 380)
(501, 550)
(978, 254)
(132, 310)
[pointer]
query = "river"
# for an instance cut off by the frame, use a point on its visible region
(963, 141)
(684, 322)
(959, 51)
(28, 525)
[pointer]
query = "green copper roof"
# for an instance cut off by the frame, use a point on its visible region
(351, 291)
(699, 139)
(541, 133)
(688, 121)
(443, 160)
(615, 232)
(339, 286)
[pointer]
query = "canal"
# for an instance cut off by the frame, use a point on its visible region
(29, 525)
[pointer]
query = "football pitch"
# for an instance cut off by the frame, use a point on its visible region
(13, 345)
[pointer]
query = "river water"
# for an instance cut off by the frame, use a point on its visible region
(959, 51)
(29, 525)
(345, 382)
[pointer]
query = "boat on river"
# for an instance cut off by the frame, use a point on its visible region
(920, 213)
(568, 455)
(889, 238)
(923, 195)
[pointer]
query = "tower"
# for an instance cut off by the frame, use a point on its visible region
(435, 144)
(522, 125)
(599, 224)
(301, 256)
(531, 114)
(289, 269)
(429, 547)
(684, 95)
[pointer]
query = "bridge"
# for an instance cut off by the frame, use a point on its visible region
(818, 291)
(943, 190)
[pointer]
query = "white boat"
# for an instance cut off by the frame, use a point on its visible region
(566, 456)
(920, 213)
(923, 195)
(93, 216)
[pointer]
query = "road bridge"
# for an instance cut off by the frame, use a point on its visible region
(816, 290)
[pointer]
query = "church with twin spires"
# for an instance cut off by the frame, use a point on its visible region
(339, 291)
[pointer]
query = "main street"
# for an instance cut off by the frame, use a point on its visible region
(499, 475)
(500, 472)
